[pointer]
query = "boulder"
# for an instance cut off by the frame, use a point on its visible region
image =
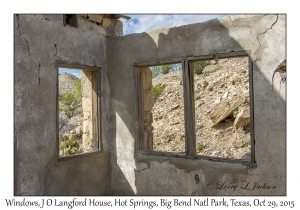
(243, 118)
(225, 109)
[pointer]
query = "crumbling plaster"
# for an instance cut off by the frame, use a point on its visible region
(263, 37)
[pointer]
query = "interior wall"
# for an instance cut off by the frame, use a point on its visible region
(132, 173)
(40, 42)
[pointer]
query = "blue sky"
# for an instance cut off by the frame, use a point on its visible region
(75, 72)
(148, 22)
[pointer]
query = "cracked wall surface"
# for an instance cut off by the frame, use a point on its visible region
(41, 41)
(263, 37)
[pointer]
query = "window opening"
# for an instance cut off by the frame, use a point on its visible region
(78, 111)
(163, 108)
(71, 20)
(222, 108)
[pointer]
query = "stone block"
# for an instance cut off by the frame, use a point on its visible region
(226, 109)
(243, 118)
(96, 18)
(85, 127)
(86, 107)
(106, 23)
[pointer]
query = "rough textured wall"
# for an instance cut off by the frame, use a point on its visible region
(40, 41)
(263, 36)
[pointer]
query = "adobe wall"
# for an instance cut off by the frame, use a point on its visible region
(40, 42)
(264, 37)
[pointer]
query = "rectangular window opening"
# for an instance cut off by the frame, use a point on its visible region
(222, 108)
(162, 108)
(78, 116)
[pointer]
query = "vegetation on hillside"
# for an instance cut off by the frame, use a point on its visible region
(200, 65)
(69, 146)
(70, 101)
(163, 69)
(157, 90)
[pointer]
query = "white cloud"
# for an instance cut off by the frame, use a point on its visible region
(144, 23)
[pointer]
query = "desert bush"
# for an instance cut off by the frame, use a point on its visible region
(244, 143)
(217, 67)
(200, 65)
(78, 90)
(200, 146)
(162, 69)
(157, 90)
(166, 68)
(69, 146)
(69, 103)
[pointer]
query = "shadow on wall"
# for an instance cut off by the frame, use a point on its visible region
(166, 176)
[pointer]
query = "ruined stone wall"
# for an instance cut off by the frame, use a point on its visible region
(263, 37)
(41, 42)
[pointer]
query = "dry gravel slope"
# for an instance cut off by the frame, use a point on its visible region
(212, 88)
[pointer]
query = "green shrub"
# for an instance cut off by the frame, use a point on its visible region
(157, 90)
(200, 65)
(162, 69)
(69, 146)
(78, 90)
(200, 146)
(69, 101)
(217, 67)
(244, 143)
(166, 68)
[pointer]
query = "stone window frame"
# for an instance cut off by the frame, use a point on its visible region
(188, 91)
(97, 71)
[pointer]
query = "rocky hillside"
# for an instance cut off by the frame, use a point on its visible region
(222, 117)
(73, 125)
(65, 82)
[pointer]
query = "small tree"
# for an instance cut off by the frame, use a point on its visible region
(200, 65)
(69, 103)
(78, 90)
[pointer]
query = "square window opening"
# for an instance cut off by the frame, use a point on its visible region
(78, 115)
